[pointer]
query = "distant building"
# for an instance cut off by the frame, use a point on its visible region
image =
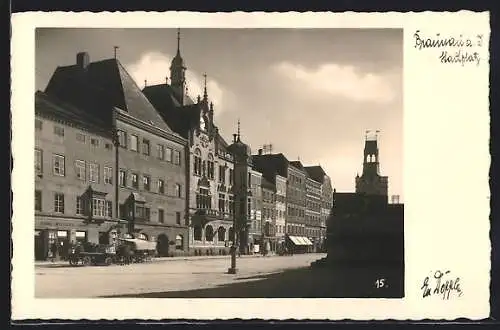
(313, 212)
(318, 174)
(148, 167)
(269, 213)
(271, 165)
(280, 198)
(255, 208)
(371, 182)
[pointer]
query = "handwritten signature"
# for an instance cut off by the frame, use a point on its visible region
(442, 286)
(460, 49)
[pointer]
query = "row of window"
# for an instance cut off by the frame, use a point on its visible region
(313, 205)
(210, 234)
(83, 170)
(97, 207)
(295, 212)
(312, 219)
(80, 137)
(207, 168)
(132, 181)
(143, 146)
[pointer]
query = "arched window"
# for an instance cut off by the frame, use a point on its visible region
(179, 242)
(197, 162)
(209, 233)
(221, 234)
(231, 234)
(210, 167)
(197, 233)
(368, 158)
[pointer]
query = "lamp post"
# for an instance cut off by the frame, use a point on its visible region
(233, 269)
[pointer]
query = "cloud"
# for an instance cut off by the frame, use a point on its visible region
(339, 80)
(154, 67)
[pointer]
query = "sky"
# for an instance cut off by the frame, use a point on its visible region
(311, 93)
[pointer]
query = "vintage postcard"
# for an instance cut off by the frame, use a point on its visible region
(250, 165)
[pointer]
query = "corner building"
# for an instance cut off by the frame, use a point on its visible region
(149, 164)
(74, 178)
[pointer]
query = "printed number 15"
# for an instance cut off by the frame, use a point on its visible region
(380, 283)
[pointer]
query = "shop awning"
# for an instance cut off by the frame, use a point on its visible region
(300, 240)
(141, 244)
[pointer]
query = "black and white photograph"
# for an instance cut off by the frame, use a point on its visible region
(284, 166)
(221, 163)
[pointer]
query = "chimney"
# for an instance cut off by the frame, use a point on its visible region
(82, 60)
(260, 152)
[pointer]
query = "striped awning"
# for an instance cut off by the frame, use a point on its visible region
(300, 240)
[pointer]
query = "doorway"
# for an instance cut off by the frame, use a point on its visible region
(162, 245)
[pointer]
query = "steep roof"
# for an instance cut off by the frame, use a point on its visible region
(316, 173)
(297, 164)
(271, 164)
(52, 107)
(101, 86)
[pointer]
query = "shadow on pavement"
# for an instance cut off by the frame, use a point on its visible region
(348, 282)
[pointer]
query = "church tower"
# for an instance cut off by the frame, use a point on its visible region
(371, 182)
(178, 72)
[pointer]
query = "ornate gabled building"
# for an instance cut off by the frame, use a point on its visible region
(210, 164)
(148, 157)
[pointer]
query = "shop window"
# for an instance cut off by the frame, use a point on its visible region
(81, 236)
(179, 242)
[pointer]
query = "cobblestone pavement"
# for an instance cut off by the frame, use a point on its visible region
(62, 281)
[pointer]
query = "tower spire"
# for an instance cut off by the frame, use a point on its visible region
(178, 41)
(238, 136)
(205, 93)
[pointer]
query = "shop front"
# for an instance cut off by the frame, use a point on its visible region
(54, 236)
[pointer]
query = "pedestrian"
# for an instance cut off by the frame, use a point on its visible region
(53, 250)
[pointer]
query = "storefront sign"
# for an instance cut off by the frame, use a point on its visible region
(61, 224)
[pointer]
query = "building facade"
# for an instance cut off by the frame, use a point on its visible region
(74, 178)
(319, 175)
(296, 199)
(255, 209)
(371, 182)
(269, 214)
(313, 213)
(210, 164)
(280, 206)
(149, 167)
